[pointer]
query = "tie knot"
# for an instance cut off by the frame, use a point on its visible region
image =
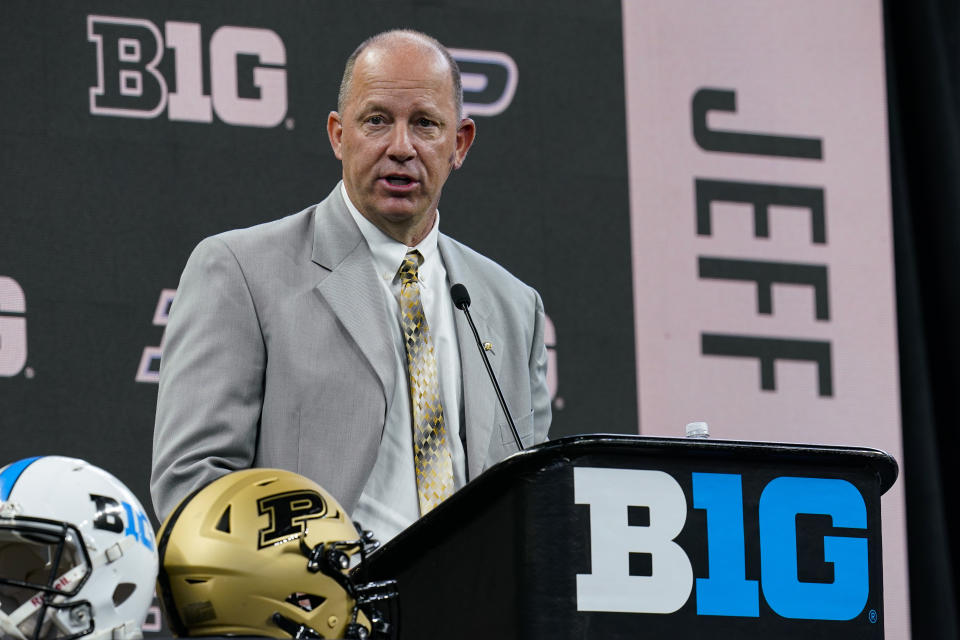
(408, 268)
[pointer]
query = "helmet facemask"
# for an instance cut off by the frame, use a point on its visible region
(333, 559)
(77, 554)
(43, 564)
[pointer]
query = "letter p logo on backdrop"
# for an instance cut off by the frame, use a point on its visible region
(489, 81)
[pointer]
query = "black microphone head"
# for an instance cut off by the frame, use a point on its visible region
(461, 299)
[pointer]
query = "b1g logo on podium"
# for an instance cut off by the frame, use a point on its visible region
(130, 85)
(636, 516)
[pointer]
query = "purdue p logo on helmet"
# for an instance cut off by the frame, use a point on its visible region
(289, 513)
(266, 552)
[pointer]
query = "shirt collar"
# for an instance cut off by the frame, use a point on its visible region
(388, 253)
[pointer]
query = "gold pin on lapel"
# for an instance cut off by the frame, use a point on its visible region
(488, 346)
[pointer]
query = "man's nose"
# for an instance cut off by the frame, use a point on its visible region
(401, 146)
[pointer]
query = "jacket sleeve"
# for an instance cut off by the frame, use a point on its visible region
(211, 378)
(539, 393)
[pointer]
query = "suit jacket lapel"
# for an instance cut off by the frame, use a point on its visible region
(351, 288)
(479, 398)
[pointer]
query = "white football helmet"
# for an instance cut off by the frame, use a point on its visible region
(77, 553)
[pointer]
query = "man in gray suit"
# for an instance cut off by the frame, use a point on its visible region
(285, 345)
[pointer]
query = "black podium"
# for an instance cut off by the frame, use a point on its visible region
(631, 537)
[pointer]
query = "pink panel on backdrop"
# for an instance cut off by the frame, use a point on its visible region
(771, 314)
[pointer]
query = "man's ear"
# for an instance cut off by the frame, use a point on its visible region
(465, 135)
(335, 133)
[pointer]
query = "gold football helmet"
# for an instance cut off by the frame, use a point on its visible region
(266, 552)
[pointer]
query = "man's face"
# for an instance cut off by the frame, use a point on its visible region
(399, 136)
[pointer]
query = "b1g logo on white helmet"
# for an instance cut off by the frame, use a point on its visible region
(109, 516)
(130, 85)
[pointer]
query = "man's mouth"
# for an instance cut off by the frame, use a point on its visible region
(399, 181)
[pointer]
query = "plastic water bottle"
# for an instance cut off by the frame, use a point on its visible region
(698, 430)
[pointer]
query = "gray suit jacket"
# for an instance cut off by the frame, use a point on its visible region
(278, 354)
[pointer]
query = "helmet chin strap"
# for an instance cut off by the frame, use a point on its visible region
(11, 623)
(9, 628)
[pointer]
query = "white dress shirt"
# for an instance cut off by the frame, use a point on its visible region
(389, 501)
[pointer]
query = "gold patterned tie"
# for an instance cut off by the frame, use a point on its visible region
(431, 455)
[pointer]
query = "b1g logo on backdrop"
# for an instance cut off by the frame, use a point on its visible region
(807, 571)
(149, 368)
(13, 327)
(130, 85)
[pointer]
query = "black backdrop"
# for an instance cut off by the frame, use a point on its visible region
(923, 66)
(98, 215)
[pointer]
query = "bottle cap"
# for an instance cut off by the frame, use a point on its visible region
(698, 430)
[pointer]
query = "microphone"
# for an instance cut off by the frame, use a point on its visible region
(461, 300)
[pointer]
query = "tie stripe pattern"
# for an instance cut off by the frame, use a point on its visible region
(431, 454)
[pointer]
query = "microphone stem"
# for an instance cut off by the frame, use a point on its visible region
(493, 380)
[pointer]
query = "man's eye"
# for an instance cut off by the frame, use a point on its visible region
(424, 122)
(375, 120)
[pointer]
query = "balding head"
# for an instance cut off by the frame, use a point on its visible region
(398, 132)
(398, 38)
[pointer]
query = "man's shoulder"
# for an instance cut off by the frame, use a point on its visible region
(463, 262)
(281, 234)
(473, 259)
(274, 234)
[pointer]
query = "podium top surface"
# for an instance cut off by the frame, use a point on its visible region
(568, 451)
(880, 462)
